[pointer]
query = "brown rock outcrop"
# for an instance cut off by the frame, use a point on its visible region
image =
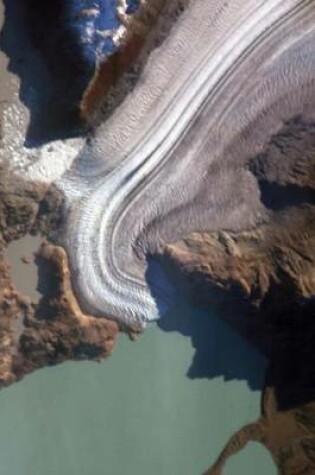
(26, 207)
(262, 281)
(257, 276)
(116, 75)
(138, 27)
(265, 270)
(34, 335)
(79, 79)
(54, 330)
(288, 435)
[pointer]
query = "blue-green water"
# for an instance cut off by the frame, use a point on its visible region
(246, 461)
(138, 412)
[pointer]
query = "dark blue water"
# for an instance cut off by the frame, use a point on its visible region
(88, 29)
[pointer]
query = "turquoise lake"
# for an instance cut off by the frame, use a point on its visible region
(164, 405)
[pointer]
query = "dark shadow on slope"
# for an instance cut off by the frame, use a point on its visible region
(292, 362)
(283, 329)
(49, 97)
(277, 197)
(285, 168)
(219, 350)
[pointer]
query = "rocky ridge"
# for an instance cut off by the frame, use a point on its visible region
(33, 335)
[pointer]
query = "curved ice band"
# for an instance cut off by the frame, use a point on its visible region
(108, 277)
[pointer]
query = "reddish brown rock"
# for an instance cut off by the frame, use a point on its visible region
(138, 27)
(26, 207)
(33, 336)
(56, 329)
(268, 267)
(288, 435)
(115, 77)
(53, 330)
(262, 281)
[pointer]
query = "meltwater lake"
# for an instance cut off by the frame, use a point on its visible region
(164, 405)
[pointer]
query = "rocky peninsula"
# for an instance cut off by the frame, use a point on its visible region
(198, 153)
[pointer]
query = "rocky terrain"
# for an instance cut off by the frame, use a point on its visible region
(222, 195)
(84, 81)
(262, 281)
(288, 435)
(33, 335)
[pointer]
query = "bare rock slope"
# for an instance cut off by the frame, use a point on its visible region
(33, 335)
